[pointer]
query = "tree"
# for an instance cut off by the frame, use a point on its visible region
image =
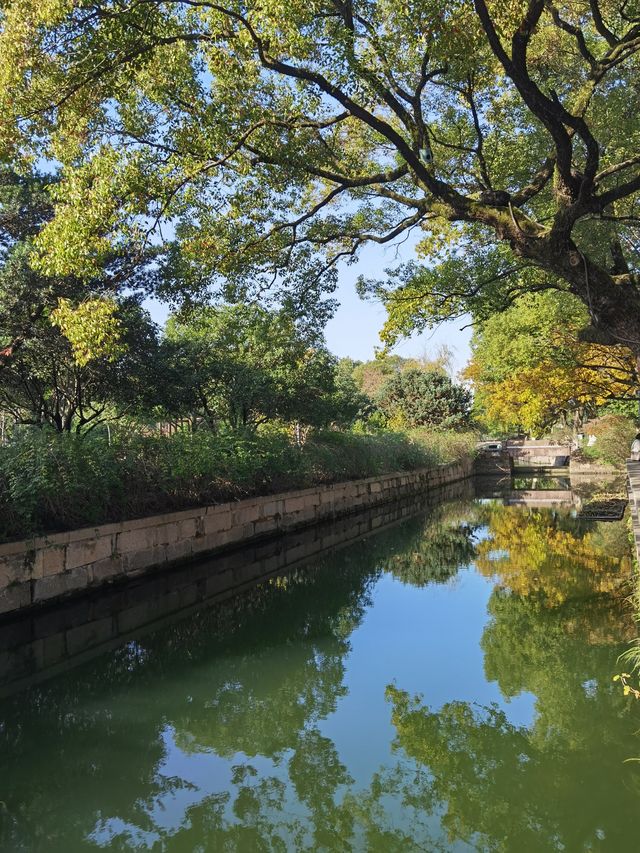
(43, 383)
(278, 140)
(72, 353)
(371, 375)
(417, 398)
(348, 402)
(529, 370)
(243, 365)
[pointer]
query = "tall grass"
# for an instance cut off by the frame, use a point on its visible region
(52, 482)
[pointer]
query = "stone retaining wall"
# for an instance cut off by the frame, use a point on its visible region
(43, 569)
(633, 482)
(578, 467)
(493, 463)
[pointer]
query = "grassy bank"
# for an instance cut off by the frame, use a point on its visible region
(52, 482)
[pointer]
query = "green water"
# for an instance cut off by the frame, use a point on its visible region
(442, 685)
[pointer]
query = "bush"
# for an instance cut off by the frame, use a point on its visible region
(51, 481)
(614, 434)
(419, 398)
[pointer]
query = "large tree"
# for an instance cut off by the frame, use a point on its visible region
(279, 138)
(243, 365)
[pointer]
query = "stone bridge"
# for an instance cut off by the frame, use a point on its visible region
(503, 457)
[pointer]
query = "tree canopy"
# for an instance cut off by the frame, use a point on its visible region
(371, 375)
(243, 365)
(278, 139)
(529, 369)
(418, 398)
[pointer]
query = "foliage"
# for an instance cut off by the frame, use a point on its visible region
(348, 403)
(416, 398)
(446, 446)
(51, 481)
(613, 434)
(529, 369)
(280, 139)
(45, 383)
(92, 328)
(72, 353)
(26, 296)
(242, 365)
(371, 375)
(628, 408)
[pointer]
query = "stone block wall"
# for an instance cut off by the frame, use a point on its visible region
(47, 568)
(593, 468)
(538, 453)
(633, 484)
(493, 463)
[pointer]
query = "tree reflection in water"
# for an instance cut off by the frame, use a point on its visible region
(505, 787)
(552, 554)
(210, 734)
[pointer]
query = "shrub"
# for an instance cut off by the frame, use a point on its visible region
(419, 398)
(614, 434)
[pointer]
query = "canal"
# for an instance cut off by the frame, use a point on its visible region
(439, 680)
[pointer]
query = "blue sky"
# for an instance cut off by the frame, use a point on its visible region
(354, 331)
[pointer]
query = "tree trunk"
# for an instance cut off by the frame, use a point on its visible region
(613, 301)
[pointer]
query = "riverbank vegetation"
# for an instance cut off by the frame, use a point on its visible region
(54, 481)
(613, 436)
(105, 416)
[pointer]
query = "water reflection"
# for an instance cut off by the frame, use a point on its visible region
(507, 787)
(549, 490)
(552, 555)
(224, 730)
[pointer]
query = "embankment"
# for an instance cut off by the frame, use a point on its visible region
(43, 569)
(43, 641)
